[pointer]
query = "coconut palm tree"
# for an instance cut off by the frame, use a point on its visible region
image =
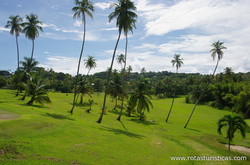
(121, 60)
(83, 88)
(28, 64)
(125, 20)
(90, 63)
(82, 8)
(176, 62)
(31, 30)
(15, 24)
(140, 97)
(35, 89)
(233, 123)
(216, 51)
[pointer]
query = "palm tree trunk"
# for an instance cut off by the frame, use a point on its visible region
(229, 143)
(120, 115)
(126, 51)
(32, 54)
(18, 74)
(170, 109)
(107, 82)
(200, 96)
(79, 64)
(115, 103)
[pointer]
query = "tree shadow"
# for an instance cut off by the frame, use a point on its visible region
(58, 116)
(145, 122)
(122, 132)
(193, 129)
(36, 106)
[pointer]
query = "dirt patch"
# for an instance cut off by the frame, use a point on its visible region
(5, 115)
(240, 149)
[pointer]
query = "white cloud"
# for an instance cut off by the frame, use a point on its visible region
(103, 5)
(78, 23)
(4, 29)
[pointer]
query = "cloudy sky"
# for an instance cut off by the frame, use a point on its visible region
(164, 28)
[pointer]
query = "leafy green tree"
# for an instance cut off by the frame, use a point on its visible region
(233, 123)
(125, 20)
(216, 51)
(35, 89)
(15, 24)
(31, 30)
(90, 63)
(176, 62)
(82, 8)
(141, 98)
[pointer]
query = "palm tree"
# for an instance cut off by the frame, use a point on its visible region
(233, 123)
(90, 103)
(216, 50)
(140, 97)
(35, 89)
(90, 63)
(125, 21)
(31, 30)
(120, 59)
(83, 88)
(15, 24)
(82, 8)
(177, 62)
(28, 66)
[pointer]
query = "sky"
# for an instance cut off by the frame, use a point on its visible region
(163, 28)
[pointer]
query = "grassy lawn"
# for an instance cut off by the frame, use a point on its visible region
(50, 135)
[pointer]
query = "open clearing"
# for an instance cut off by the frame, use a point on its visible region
(49, 135)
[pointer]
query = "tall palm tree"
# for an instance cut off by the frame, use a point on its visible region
(90, 63)
(15, 24)
(31, 30)
(120, 59)
(82, 8)
(216, 50)
(125, 20)
(233, 123)
(177, 62)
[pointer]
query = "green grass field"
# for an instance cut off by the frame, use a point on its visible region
(49, 135)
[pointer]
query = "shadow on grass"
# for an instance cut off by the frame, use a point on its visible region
(58, 116)
(122, 132)
(146, 122)
(36, 106)
(193, 129)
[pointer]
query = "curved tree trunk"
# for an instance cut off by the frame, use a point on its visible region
(18, 74)
(125, 63)
(78, 68)
(170, 109)
(200, 96)
(108, 79)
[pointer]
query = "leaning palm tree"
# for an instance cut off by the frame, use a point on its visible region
(90, 63)
(125, 20)
(121, 60)
(233, 123)
(177, 62)
(216, 51)
(31, 30)
(15, 24)
(82, 8)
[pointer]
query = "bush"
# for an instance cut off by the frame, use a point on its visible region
(2, 82)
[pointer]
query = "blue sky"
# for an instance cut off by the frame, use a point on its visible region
(164, 28)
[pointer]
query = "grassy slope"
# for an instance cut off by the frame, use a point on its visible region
(49, 135)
